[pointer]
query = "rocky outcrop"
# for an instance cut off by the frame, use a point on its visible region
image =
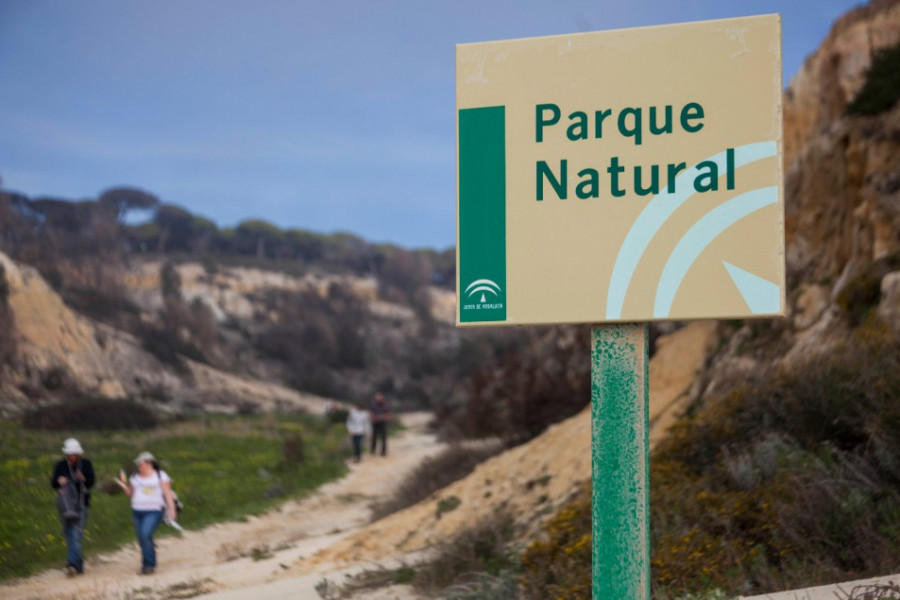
(832, 76)
(55, 344)
(842, 189)
(61, 354)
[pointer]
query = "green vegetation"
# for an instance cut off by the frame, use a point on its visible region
(448, 504)
(371, 579)
(434, 474)
(517, 393)
(223, 469)
(559, 565)
(791, 479)
(7, 336)
(484, 548)
(882, 87)
(94, 414)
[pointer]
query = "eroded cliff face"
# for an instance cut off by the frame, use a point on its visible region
(833, 75)
(843, 200)
(54, 343)
(61, 354)
(842, 173)
(842, 207)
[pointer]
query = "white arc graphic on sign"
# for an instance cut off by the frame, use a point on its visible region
(702, 235)
(482, 285)
(655, 214)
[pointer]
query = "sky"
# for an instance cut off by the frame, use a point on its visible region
(326, 116)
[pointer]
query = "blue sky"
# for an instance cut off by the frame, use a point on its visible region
(328, 116)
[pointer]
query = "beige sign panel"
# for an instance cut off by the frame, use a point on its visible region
(628, 175)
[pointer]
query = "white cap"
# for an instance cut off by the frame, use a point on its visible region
(144, 457)
(71, 446)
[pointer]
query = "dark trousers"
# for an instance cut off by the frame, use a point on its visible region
(74, 534)
(357, 446)
(379, 430)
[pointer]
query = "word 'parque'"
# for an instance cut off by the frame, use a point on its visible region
(629, 122)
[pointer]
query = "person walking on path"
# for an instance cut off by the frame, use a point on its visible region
(381, 416)
(73, 477)
(357, 426)
(150, 490)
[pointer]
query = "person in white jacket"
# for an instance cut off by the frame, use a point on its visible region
(357, 426)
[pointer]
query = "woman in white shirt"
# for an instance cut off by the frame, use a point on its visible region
(150, 490)
(357, 426)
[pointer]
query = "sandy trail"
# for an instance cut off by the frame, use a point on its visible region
(246, 556)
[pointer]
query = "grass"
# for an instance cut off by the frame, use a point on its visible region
(223, 468)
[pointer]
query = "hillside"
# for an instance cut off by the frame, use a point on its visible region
(202, 344)
(531, 481)
(61, 352)
(843, 260)
(230, 335)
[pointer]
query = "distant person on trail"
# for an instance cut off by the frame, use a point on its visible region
(150, 490)
(357, 426)
(73, 478)
(381, 416)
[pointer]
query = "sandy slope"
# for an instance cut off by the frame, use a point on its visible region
(219, 557)
(528, 482)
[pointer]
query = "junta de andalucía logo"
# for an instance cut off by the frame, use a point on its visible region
(482, 294)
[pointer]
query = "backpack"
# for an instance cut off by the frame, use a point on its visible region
(69, 502)
(179, 505)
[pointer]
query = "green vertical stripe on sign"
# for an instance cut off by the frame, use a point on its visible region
(482, 214)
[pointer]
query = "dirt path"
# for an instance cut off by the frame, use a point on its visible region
(245, 555)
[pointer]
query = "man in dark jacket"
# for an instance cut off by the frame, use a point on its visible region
(380, 417)
(74, 470)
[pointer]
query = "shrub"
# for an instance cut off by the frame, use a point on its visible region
(370, 579)
(481, 586)
(529, 386)
(7, 323)
(338, 416)
(158, 343)
(448, 504)
(859, 297)
(91, 414)
(292, 449)
(433, 474)
(882, 86)
(108, 303)
(484, 548)
(559, 566)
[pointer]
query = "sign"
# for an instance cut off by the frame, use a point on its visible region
(621, 176)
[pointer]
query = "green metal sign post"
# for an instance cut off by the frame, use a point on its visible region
(621, 461)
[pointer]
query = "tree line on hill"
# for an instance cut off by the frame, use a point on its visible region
(36, 229)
